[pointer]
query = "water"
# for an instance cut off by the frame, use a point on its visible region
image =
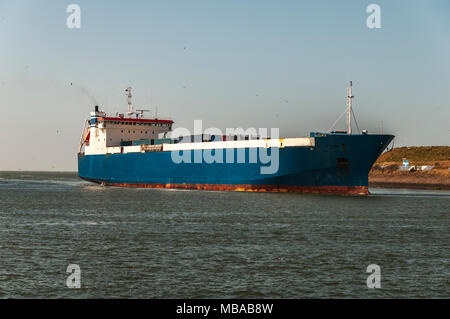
(144, 243)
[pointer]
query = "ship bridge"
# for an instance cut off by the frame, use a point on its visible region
(102, 131)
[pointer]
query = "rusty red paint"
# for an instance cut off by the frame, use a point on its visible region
(357, 190)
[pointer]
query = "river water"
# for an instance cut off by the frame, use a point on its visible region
(148, 243)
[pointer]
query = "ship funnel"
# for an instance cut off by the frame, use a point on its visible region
(96, 108)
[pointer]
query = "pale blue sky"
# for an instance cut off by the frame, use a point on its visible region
(242, 63)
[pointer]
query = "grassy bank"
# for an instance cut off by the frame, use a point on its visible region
(385, 172)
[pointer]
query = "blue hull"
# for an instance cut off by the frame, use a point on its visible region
(336, 164)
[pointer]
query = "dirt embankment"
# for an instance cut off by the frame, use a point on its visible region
(385, 172)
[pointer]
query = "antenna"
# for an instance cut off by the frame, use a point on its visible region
(349, 108)
(130, 105)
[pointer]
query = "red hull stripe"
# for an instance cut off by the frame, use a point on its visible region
(134, 120)
(360, 190)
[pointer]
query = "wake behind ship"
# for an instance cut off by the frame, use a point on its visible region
(134, 151)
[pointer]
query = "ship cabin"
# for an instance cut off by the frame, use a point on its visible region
(105, 132)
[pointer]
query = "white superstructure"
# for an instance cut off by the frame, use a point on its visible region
(133, 133)
(102, 132)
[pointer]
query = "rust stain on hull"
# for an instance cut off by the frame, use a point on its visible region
(356, 190)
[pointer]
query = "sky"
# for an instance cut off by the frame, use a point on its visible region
(263, 64)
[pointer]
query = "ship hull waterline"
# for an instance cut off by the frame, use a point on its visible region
(350, 190)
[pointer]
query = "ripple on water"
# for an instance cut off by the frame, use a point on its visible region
(146, 243)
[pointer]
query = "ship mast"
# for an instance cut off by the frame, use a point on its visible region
(349, 108)
(130, 105)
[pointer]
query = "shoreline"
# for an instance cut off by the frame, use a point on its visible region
(408, 186)
(416, 180)
(437, 180)
(387, 172)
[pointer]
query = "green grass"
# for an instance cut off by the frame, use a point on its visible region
(417, 154)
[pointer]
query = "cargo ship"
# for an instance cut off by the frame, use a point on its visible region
(130, 150)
